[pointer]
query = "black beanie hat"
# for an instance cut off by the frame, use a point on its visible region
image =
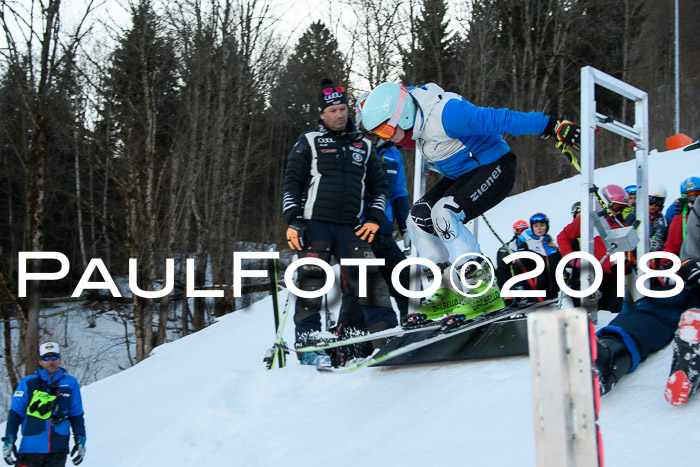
(331, 94)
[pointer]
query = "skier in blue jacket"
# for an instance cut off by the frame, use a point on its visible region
(47, 404)
(466, 145)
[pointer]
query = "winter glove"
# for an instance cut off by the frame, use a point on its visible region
(78, 448)
(690, 273)
(9, 450)
(295, 234)
(679, 204)
(566, 131)
(655, 244)
(406, 239)
(367, 230)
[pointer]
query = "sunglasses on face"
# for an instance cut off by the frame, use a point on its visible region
(329, 91)
(692, 194)
(51, 357)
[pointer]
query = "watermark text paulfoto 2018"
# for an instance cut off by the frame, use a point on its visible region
(509, 289)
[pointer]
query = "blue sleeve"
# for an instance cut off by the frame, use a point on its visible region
(462, 118)
(399, 189)
(76, 400)
(77, 423)
(401, 207)
(14, 420)
(18, 409)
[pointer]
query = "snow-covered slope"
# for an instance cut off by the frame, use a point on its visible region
(206, 399)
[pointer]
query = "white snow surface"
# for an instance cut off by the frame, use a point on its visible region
(206, 399)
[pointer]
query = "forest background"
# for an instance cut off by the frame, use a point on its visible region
(166, 135)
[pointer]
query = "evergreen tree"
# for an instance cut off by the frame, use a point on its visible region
(431, 55)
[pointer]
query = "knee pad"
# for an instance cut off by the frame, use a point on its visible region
(447, 217)
(421, 216)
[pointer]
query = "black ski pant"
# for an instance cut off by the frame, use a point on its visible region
(54, 459)
(385, 247)
(324, 240)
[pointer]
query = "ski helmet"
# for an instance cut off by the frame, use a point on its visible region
(539, 218)
(519, 226)
(575, 208)
(657, 194)
(613, 194)
(358, 107)
(690, 187)
(389, 105)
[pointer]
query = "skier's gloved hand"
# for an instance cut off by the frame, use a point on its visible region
(655, 244)
(78, 451)
(295, 234)
(367, 230)
(690, 273)
(678, 205)
(566, 131)
(406, 239)
(9, 451)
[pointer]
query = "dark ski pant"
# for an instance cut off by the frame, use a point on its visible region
(54, 459)
(475, 192)
(385, 247)
(324, 240)
(649, 324)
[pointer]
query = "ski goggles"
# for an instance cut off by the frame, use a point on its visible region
(540, 219)
(387, 129)
(329, 91)
(692, 195)
(657, 201)
(631, 189)
(53, 357)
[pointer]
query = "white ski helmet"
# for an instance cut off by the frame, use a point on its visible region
(657, 194)
(389, 104)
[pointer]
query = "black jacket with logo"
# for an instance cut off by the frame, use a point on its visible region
(327, 176)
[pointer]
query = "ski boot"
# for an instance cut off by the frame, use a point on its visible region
(316, 357)
(613, 361)
(472, 307)
(433, 307)
(685, 368)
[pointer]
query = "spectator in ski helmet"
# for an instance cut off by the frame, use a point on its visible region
(614, 197)
(631, 195)
(519, 226)
(690, 189)
(465, 143)
(539, 224)
(576, 209)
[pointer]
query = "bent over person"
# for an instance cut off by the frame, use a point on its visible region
(328, 173)
(47, 404)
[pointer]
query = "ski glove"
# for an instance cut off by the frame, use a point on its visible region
(566, 132)
(679, 204)
(295, 234)
(78, 448)
(690, 273)
(9, 450)
(367, 230)
(406, 239)
(656, 244)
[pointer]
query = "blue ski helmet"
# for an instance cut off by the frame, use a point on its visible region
(690, 184)
(389, 103)
(539, 218)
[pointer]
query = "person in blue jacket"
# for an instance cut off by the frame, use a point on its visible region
(466, 145)
(47, 404)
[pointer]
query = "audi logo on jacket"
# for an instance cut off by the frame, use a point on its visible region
(328, 175)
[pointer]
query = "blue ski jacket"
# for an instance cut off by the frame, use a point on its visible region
(458, 136)
(46, 408)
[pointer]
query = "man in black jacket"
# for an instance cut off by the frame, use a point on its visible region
(328, 173)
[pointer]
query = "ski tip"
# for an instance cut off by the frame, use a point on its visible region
(677, 388)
